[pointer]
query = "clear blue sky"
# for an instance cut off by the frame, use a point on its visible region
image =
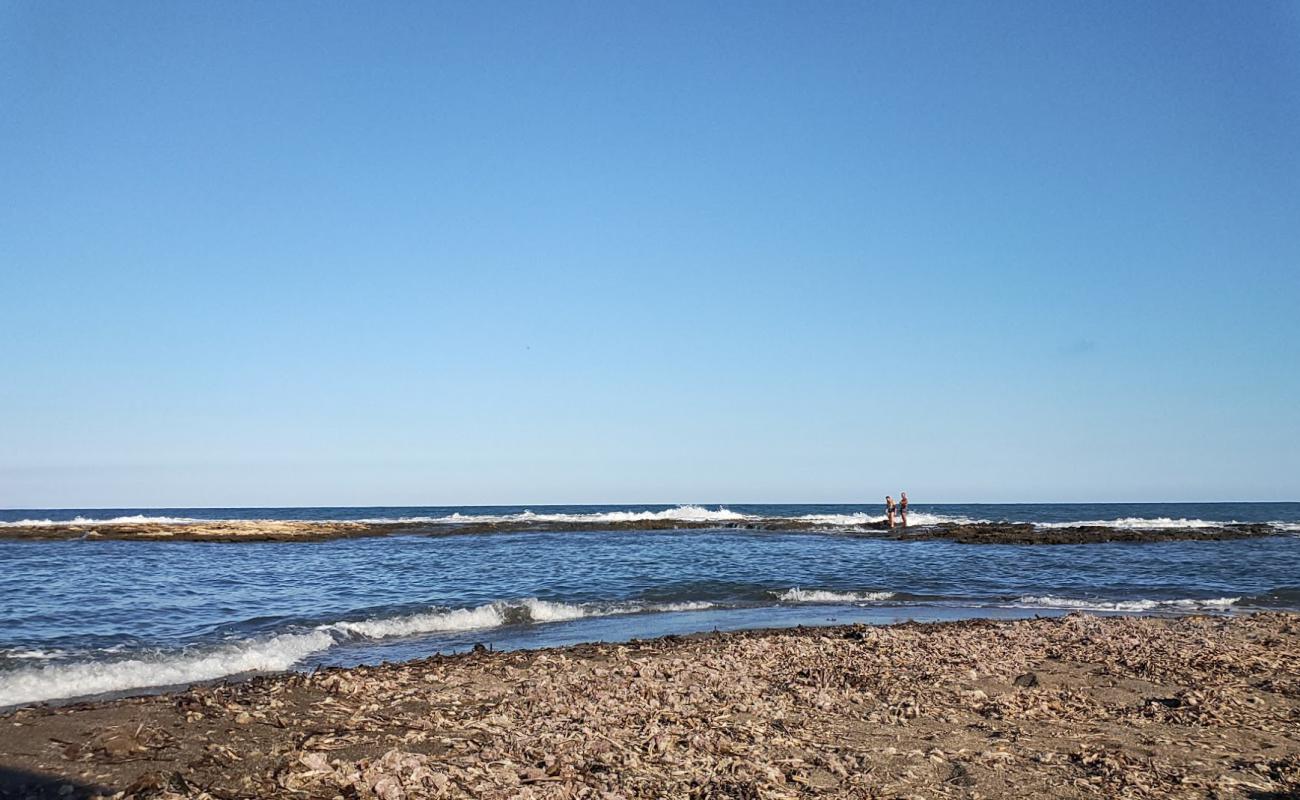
(352, 253)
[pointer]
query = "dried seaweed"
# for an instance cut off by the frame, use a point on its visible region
(1116, 707)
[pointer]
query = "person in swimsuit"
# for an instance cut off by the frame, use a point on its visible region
(889, 509)
(902, 507)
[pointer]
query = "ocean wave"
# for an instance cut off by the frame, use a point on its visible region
(458, 619)
(860, 518)
(1185, 604)
(686, 513)
(499, 613)
(690, 605)
(841, 519)
(1139, 523)
(30, 654)
(683, 513)
(797, 595)
(136, 519)
(54, 681)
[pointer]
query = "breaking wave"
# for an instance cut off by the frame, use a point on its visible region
(459, 619)
(29, 654)
(683, 513)
(1184, 604)
(1139, 523)
(914, 518)
(797, 595)
(689, 513)
(136, 519)
(686, 513)
(496, 614)
(52, 681)
(33, 685)
(692, 605)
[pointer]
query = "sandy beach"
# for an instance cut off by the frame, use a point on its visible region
(1079, 706)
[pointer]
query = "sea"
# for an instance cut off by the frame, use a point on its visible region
(96, 617)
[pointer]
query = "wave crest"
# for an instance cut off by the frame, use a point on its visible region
(53, 681)
(1185, 604)
(685, 513)
(497, 614)
(797, 595)
(1139, 523)
(135, 519)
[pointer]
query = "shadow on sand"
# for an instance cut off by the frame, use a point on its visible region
(18, 783)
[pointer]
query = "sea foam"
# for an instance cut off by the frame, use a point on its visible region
(1185, 604)
(797, 595)
(459, 619)
(498, 613)
(52, 681)
(136, 519)
(1139, 523)
(686, 513)
(914, 518)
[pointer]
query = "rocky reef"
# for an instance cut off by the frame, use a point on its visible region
(305, 530)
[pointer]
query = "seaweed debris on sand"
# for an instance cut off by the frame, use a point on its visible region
(1079, 706)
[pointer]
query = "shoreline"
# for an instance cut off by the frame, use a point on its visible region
(311, 530)
(1068, 706)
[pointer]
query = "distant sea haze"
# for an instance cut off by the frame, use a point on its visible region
(84, 617)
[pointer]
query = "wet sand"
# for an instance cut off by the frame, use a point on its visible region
(1078, 706)
(308, 530)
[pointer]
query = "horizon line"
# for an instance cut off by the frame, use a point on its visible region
(669, 505)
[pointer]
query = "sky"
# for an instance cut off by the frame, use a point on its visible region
(584, 252)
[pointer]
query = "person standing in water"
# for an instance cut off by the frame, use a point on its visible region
(889, 509)
(902, 507)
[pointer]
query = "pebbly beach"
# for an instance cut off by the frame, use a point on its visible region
(1076, 706)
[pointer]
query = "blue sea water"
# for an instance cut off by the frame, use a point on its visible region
(88, 617)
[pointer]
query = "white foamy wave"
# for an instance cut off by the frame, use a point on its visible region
(692, 605)
(1139, 523)
(36, 684)
(685, 513)
(460, 619)
(496, 614)
(30, 654)
(913, 518)
(136, 519)
(544, 611)
(841, 519)
(1289, 527)
(688, 513)
(1183, 604)
(797, 595)
(922, 518)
